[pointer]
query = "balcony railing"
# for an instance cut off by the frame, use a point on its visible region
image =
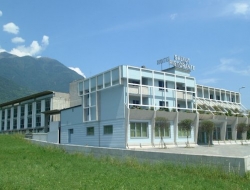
(134, 89)
(183, 95)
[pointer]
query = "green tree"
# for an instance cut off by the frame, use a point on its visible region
(208, 127)
(242, 128)
(186, 125)
(162, 124)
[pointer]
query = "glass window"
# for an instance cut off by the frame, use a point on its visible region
(22, 123)
(229, 133)
(9, 113)
(139, 129)
(22, 110)
(38, 121)
(165, 130)
(183, 133)
(47, 104)
(14, 124)
(2, 125)
(38, 107)
(163, 103)
(29, 121)
(30, 109)
(8, 125)
(3, 114)
(15, 111)
(90, 131)
(108, 129)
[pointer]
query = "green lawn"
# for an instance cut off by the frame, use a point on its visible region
(27, 166)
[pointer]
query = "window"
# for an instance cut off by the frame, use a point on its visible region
(139, 129)
(90, 130)
(38, 107)
(47, 104)
(183, 133)
(15, 112)
(38, 121)
(3, 114)
(9, 113)
(8, 125)
(134, 81)
(22, 110)
(30, 109)
(22, 123)
(163, 103)
(14, 124)
(229, 133)
(108, 129)
(136, 102)
(29, 121)
(161, 84)
(165, 131)
(2, 125)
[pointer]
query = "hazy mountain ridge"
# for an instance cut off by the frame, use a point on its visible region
(21, 76)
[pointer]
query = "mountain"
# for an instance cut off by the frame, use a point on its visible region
(21, 76)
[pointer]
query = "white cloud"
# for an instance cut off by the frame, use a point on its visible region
(1, 13)
(45, 40)
(173, 16)
(233, 65)
(34, 48)
(17, 40)
(77, 70)
(241, 8)
(11, 28)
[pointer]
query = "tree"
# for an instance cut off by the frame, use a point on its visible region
(242, 128)
(162, 124)
(208, 127)
(186, 125)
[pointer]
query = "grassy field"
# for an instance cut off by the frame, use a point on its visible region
(27, 166)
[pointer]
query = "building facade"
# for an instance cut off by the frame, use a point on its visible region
(32, 113)
(117, 108)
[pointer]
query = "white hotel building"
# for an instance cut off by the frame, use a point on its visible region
(117, 108)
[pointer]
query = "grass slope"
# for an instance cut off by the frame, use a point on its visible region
(27, 166)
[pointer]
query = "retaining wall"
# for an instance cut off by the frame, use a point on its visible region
(239, 165)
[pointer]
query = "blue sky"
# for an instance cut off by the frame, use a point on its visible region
(97, 35)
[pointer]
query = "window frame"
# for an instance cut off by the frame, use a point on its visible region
(182, 133)
(90, 133)
(157, 128)
(108, 130)
(138, 129)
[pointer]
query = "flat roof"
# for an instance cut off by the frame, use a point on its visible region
(26, 98)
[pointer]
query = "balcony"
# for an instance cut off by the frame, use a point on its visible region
(134, 89)
(183, 95)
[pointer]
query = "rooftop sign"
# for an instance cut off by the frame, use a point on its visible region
(179, 61)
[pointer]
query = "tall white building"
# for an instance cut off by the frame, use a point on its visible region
(117, 108)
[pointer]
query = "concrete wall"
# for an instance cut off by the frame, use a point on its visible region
(239, 165)
(39, 136)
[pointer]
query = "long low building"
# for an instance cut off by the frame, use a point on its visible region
(118, 108)
(32, 113)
